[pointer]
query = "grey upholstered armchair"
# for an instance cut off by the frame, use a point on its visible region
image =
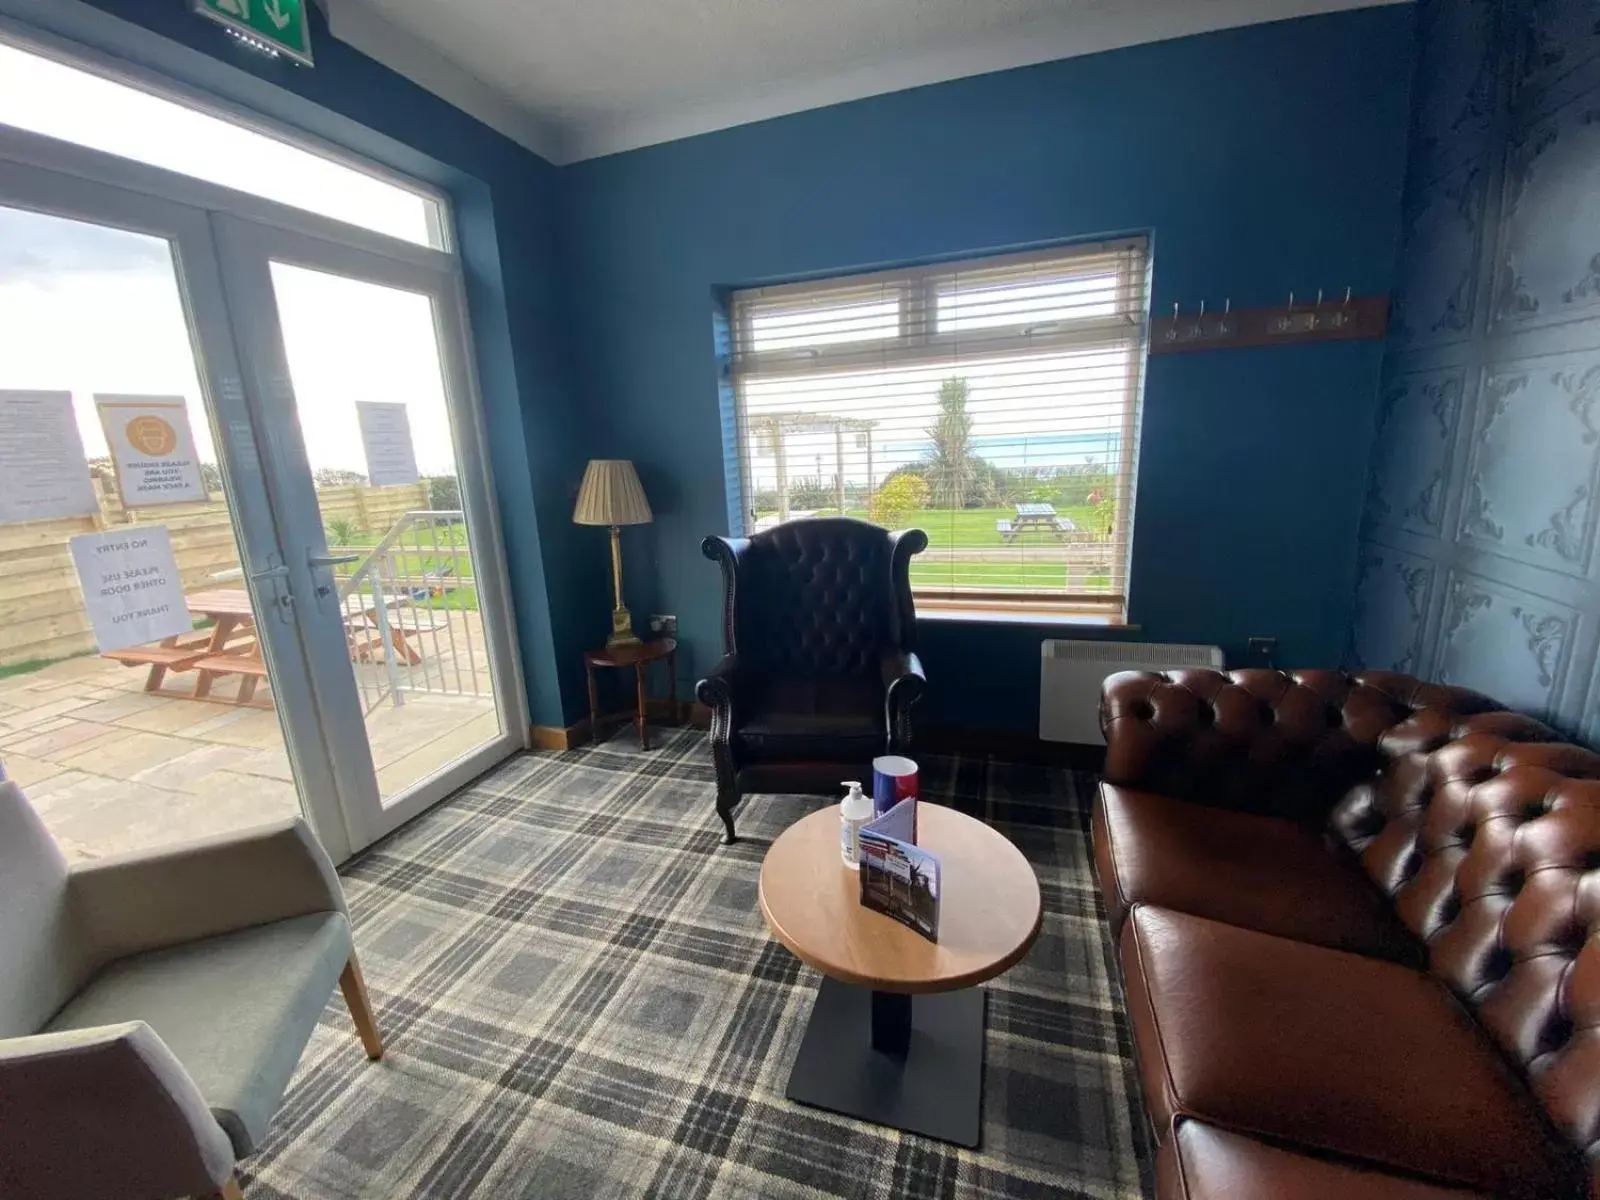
(153, 1006)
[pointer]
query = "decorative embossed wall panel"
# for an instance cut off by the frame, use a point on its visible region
(1547, 259)
(1478, 563)
(1418, 424)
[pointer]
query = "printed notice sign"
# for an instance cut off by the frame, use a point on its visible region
(130, 586)
(386, 435)
(43, 472)
(152, 447)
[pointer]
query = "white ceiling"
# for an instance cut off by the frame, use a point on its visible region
(576, 79)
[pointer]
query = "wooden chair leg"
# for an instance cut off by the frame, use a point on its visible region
(355, 996)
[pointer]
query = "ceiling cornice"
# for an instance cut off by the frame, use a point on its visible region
(353, 21)
(357, 24)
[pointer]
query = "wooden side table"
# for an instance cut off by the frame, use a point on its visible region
(638, 656)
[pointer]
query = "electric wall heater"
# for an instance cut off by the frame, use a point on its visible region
(1071, 673)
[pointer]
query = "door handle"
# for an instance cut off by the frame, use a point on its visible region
(331, 560)
(282, 599)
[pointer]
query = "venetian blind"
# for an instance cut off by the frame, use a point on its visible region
(993, 403)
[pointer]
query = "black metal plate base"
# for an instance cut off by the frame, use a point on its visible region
(936, 1089)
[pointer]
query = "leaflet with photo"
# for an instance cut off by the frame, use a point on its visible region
(899, 878)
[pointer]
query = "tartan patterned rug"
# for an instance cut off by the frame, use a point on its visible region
(580, 999)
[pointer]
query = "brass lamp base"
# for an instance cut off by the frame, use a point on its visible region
(621, 629)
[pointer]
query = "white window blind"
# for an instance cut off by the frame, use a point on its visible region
(993, 403)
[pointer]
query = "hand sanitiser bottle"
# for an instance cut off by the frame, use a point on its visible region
(854, 812)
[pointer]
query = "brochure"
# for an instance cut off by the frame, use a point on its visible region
(898, 878)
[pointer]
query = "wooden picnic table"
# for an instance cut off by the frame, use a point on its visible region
(1040, 517)
(231, 646)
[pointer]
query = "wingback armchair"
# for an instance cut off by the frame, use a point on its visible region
(819, 668)
(153, 1006)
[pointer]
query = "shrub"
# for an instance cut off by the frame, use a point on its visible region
(342, 531)
(444, 492)
(898, 498)
(810, 493)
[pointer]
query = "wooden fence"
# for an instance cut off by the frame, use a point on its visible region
(41, 608)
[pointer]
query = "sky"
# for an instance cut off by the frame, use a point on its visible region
(87, 309)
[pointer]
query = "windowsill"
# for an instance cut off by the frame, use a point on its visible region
(991, 616)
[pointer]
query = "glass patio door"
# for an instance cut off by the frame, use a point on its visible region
(130, 470)
(358, 362)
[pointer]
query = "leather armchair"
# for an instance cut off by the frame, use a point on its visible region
(153, 1006)
(819, 670)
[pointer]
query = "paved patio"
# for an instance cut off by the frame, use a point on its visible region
(110, 767)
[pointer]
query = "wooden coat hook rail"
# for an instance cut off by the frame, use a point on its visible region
(1348, 318)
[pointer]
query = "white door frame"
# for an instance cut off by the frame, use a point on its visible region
(244, 375)
(247, 250)
(199, 280)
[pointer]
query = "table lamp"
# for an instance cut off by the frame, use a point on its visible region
(610, 494)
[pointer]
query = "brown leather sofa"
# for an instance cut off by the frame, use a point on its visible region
(1354, 918)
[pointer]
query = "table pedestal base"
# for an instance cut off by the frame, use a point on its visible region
(928, 1076)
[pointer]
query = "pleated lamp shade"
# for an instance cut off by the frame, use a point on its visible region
(611, 494)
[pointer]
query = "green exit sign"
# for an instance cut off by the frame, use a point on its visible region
(279, 24)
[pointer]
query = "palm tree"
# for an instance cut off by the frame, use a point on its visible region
(951, 474)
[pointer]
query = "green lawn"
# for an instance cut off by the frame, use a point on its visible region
(460, 594)
(975, 527)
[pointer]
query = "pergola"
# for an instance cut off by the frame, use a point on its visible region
(770, 430)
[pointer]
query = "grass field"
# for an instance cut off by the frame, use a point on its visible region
(974, 528)
(460, 591)
(950, 531)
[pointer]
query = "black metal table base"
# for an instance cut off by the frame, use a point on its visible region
(910, 1062)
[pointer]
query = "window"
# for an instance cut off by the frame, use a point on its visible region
(993, 403)
(44, 96)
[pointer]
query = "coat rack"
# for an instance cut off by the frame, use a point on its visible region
(1351, 318)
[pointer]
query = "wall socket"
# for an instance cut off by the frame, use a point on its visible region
(1262, 651)
(664, 623)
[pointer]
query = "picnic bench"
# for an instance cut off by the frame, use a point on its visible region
(1039, 518)
(230, 646)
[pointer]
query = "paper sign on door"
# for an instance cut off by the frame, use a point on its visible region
(386, 436)
(152, 447)
(43, 472)
(130, 586)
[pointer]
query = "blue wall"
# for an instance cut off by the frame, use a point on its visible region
(1479, 562)
(504, 197)
(1263, 160)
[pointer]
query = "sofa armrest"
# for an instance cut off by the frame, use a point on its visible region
(903, 684)
(175, 894)
(104, 1111)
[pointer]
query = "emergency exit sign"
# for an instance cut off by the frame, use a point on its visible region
(277, 24)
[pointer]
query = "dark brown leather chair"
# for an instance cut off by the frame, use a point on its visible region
(819, 670)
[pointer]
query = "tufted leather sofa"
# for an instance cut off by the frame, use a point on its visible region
(819, 670)
(1354, 917)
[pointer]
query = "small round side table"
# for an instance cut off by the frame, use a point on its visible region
(896, 1030)
(638, 655)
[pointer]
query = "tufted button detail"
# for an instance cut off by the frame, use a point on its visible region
(1334, 715)
(1450, 908)
(1556, 1034)
(1206, 717)
(1498, 965)
(1466, 833)
(1534, 809)
(1143, 710)
(1591, 861)
(1483, 774)
(1513, 881)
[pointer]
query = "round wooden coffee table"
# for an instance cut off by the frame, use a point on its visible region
(870, 1049)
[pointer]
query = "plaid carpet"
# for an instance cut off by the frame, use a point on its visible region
(580, 999)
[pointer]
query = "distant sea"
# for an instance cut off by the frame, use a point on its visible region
(1044, 450)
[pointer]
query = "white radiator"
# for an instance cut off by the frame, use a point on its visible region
(1071, 673)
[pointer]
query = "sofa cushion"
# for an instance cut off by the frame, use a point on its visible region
(814, 718)
(1329, 1050)
(1201, 1162)
(235, 1010)
(1260, 872)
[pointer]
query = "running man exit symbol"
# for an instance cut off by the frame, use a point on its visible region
(278, 24)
